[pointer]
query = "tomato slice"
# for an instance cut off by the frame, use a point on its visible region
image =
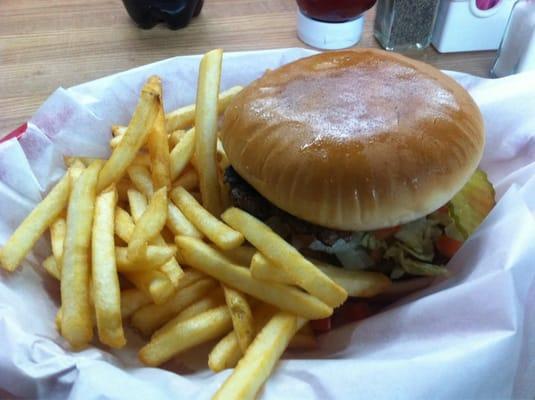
(447, 246)
(385, 233)
(356, 311)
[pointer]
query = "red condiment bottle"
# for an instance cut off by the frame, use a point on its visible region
(331, 24)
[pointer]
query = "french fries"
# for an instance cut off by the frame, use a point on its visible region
(206, 129)
(52, 267)
(149, 225)
(204, 258)
(212, 300)
(141, 178)
(35, 224)
(151, 317)
(135, 136)
(259, 360)
(186, 334)
(227, 352)
(356, 283)
(158, 144)
(182, 152)
(57, 238)
(179, 224)
(175, 137)
(154, 283)
(223, 236)
(156, 202)
(303, 273)
(184, 117)
(137, 202)
(76, 324)
(242, 317)
(124, 224)
(154, 257)
(132, 300)
(106, 291)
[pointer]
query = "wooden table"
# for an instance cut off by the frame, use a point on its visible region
(47, 44)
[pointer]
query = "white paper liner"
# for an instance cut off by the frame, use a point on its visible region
(471, 336)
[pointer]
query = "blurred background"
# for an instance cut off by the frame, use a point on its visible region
(44, 45)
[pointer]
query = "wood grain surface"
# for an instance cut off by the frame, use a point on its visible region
(53, 43)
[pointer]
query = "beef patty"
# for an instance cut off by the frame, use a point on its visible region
(293, 229)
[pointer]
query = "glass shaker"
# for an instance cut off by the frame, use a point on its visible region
(405, 24)
(517, 50)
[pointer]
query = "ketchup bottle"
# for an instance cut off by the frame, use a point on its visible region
(175, 14)
(331, 24)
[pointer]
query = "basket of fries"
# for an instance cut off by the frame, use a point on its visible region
(122, 251)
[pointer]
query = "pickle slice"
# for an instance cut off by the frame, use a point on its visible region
(472, 203)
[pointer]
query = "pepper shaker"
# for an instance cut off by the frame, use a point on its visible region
(405, 24)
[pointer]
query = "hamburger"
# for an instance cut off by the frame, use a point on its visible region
(365, 159)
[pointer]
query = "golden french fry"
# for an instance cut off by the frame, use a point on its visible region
(356, 283)
(34, 225)
(240, 255)
(124, 224)
(142, 158)
(260, 358)
(201, 256)
(51, 266)
(227, 352)
(158, 146)
(175, 137)
(215, 230)
(186, 334)
(149, 225)
(222, 159)
(184, 117)
(80, 162)
(57, 237)
(189, 179)
(242, 317)
(151, 317)
(173, 270)
(106, 291)
(212, 300)
(171, 267)
(135, 136)
(117, 130)
(141, 178)
(57, 320)
(137, 202)
(304, 274)
(132, 300)
(76, 324)
(182, 153)
(179, 224)
(206, 129)
(154, 283)
(153, 258)
(114, 141)
(304, 339)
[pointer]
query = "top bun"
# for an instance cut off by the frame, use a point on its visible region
(355, 140)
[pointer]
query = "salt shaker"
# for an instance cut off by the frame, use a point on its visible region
(405, 24)
(517, 50)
